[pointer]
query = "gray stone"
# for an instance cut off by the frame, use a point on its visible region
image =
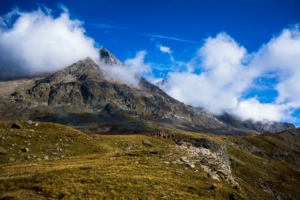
(16, 126)
(46, 157)
(222, 172)
(147, 143)
(25, 149)
(213, 176)
(192, 166)
(29, 122)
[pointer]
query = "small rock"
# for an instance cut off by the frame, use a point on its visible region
(147, 143)
(213, 186)
(38, 159)
(191, 166)
(16, 126)
(221, 172)
(46, 157)
(167, 163)
(214, 176)
(29, 122)
(183, 159)
(36, 124)
(25, 149)
(236, 187)
(12, 159)
(129, 148)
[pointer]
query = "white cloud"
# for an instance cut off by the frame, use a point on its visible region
(281, 56)
(164, 49)
(228, 72)
(220, 84)
(130, 72)
(253, 109)
(37, 43)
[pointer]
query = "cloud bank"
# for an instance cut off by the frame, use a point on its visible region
(33, 43)
(229, 72)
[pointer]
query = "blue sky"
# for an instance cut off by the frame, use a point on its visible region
(182, 39)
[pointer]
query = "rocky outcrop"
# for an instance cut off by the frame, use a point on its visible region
(107, 58)
(211, 157)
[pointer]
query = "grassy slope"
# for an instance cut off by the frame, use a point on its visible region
(81, 166)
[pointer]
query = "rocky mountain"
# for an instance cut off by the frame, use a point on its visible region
(82, 96)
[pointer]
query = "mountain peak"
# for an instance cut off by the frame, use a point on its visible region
(79, 71)
(108, 58)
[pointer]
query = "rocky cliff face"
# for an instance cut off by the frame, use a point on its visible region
(81, 96)
(108, 58)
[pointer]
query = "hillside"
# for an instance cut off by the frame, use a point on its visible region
(51, 161)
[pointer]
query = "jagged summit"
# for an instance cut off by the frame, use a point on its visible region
(79, 71)
(107, 58)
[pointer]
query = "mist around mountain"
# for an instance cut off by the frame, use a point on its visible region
(94, 97)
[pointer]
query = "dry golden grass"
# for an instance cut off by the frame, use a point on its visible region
(121, 167)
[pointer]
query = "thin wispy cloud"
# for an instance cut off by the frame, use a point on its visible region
(170, 38)
(100, 25)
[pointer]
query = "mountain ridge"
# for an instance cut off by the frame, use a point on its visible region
(82, 96)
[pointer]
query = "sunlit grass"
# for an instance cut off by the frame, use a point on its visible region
(122, 167)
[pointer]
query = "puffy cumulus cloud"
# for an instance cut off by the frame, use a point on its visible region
(281, 56)
(219, 85)
(228, 72)
(255, 110)
(164, 49)
(33, 43)
(131, 71)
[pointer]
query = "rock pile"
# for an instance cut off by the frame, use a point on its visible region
(214, 163)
